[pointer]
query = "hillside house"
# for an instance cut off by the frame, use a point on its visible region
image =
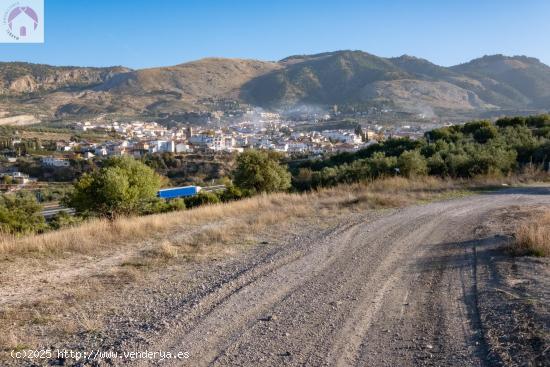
(55, 162)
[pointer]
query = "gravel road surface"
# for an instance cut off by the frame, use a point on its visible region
(400, 289)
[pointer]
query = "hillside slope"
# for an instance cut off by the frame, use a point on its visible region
(405, 83)
(21, 78)
(522, 79)
(213, 77)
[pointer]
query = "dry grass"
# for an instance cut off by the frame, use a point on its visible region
(11, 341)
(532, 237)
(165, 251)
(23, 325)
(80, 321)
(10, 321)
(219, 224)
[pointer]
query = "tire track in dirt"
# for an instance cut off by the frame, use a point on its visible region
(397, 290)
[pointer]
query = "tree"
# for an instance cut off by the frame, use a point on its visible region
(483, 134)
(260, 171)
(511, 121)
(303, 180)
(359, 132)
(473, 126)
(412, 163)
(380, 165)
(122, 186)
(21, 214)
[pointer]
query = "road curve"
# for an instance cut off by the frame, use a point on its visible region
(399, 290)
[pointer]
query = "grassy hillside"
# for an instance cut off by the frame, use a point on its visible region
(220, 224)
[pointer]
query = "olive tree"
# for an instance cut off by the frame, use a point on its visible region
(260, 171)
(123, 186)
(21, 214)
(412, 163)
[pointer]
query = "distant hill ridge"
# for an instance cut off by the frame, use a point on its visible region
(407, 83)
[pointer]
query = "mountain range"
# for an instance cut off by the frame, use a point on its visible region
(405, 83)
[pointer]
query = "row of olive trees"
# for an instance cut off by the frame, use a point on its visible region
(410, 163)
(475, 148)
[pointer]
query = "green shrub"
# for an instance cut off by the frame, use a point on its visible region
(21, 214)
(303, 180)
(485, 133)
(63, 219)
(437, 166)
(232, 193)
(202, 198)
(122, 186)
(380, 165)
(157, 205)
(473, 126)
(411, 163)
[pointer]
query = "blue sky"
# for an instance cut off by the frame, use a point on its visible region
(152, 33)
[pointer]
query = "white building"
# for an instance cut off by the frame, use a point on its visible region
(88, 155)
(343, 136)
(101, 151)
(222, 143)
(19, 177)
(200, 139)
(55, 162)
(183, 148)
(281, 147)
(298, 147)
(162, 146)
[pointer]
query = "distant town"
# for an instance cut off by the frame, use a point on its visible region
(309, 135)
(260, 130)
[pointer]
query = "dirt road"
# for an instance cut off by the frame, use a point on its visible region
(396, 290)
(425, 285)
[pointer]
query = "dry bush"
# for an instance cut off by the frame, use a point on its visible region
(529, 174)
(532, 237)
(79, 321)
(404, 185)
(164, 251)
(86, 323)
